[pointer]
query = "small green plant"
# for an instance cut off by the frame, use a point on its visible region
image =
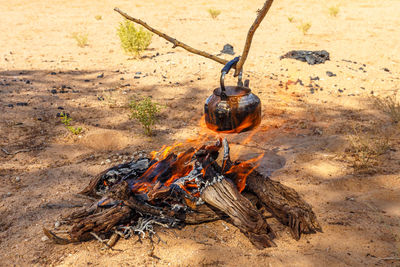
(66, 120)
(390, 106)
(214, 13)
(290, 19)
(145, 112)
(80, 38)
(334, 11)
(304, 27)
(133, 40)
(98, 17)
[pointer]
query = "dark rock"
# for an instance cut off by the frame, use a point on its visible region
(311, 57)
(228, 49)
(86, 81)
(100, 76)
(300, 82)
(138, 73)
(61, 108)
(122, 78)
(330, 74)
(10, 105)
(53, 91)
(27, 81)
(100, 98)
(53, 73)
(136, 77)
(22, 104)
(386, 69)
(340, 90)
(316, 78)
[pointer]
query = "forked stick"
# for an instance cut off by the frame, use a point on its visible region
(261, 14)
(172, 40)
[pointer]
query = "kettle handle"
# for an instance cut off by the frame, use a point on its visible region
(225, 70)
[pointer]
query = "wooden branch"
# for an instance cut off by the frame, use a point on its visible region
(172, 40)
(285, 204)
(224, 196)
(252, 30)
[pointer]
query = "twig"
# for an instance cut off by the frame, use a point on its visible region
(15, 152)
(172, 40)
(252, 30)
(390, 259)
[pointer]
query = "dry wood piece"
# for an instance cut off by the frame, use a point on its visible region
(224, 196)
(285, 204)
(261, 14)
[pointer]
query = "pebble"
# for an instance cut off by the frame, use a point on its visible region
(120, 157)
(101, 75)
(22, 104)
(136, 77)
(108, 160)
(10, 105)
(9, 194)
(386, 69)
(330, 74)
(102, 163)
(57, 224)
(53, 91)
(44, 238)
(17, 179)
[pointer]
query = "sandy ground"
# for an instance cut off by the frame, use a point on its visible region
(304, 131)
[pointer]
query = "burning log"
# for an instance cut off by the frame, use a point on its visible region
(187, 188)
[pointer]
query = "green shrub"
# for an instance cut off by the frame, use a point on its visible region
(145, 112)
(133, 40)
(81, 39)
(214, 13)
(304, 27)
(290, 19)
(67, 122)
(333, 11)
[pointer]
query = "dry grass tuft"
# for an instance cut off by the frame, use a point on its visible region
(390, 106)
(368, 146)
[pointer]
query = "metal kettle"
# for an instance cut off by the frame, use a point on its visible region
(232, 109)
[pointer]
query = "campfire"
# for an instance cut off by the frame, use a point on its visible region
(198, 185)
(195, 186)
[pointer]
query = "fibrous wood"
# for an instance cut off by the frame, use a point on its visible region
(285, 204)
(224, 196)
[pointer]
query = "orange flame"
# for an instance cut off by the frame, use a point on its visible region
(243, 170)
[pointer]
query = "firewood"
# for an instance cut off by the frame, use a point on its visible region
(285, 204)
(224, 195)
